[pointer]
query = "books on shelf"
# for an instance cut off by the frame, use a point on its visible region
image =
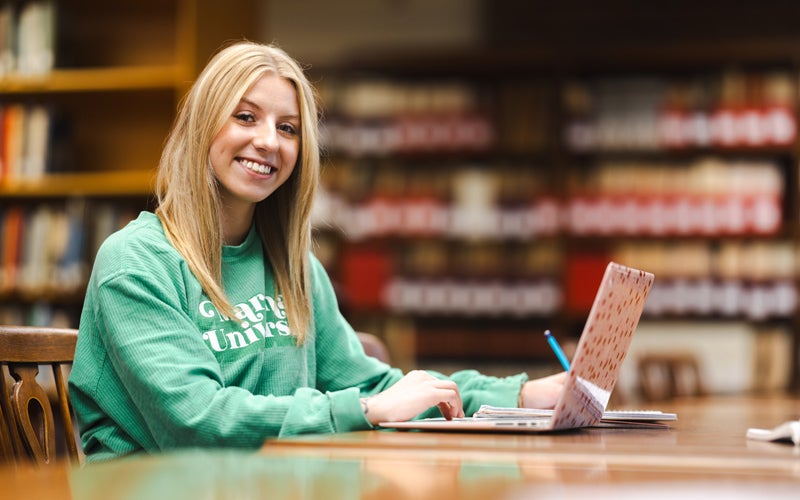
(469, 298)
(693, 280)
(27, 37)
(47, 249)
(388, 117)
(33, 142)
(7, 42)
(489, 282)
(11, 221)
(731, 110)
(40, 314)
(707, 197)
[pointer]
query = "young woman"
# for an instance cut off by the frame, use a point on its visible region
(209, 323)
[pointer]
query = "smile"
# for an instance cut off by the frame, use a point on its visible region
(256, 167)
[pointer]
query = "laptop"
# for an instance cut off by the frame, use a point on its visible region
(593, 372)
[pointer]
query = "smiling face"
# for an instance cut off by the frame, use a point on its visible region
(256, 150)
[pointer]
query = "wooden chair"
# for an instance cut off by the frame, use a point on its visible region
(7, 453)
(665, 376)
(27, 422)
(374, 346)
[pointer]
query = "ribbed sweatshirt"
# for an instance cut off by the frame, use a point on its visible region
(157, 367)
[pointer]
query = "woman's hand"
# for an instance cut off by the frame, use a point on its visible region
(410, 396)
(542, 392)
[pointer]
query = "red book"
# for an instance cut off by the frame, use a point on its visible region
(583, 272)
(366, 271)
(12, 242)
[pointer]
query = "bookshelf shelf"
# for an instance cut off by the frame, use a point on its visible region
(126, 183)
(95, 80)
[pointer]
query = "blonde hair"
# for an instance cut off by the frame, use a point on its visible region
(187, 190)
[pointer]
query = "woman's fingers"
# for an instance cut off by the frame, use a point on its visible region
(413, 394)
(447, 410)
(443, 394)
(452, 407)
(450, 410)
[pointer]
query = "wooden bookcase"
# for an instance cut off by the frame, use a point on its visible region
(120, 70)
(523, 89)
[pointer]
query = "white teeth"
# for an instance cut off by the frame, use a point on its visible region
(257, 167)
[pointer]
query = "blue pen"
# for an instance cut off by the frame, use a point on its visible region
(557, 349)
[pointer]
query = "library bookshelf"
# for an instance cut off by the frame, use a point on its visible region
(87, 97)
(472, 199)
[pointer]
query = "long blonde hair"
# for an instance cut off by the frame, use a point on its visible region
(188, 194)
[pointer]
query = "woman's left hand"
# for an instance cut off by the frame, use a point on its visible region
(542, 392)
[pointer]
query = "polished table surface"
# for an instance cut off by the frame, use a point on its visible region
(703, 454)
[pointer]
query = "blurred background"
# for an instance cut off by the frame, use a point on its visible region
(483, 161)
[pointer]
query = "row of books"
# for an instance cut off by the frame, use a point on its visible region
(497, 183)
(427, 217)
(709, 196)
(47, 249)
(409, 134)
(39, 314)
(774, 126)
(647, 130)
(472, 297)
(683, 215)
(705, 297)
(368, 98)
(737, 278)
(738, 260)
(728, 110)
(34, 140)
(734, 299)
(731, 110)
(382, 217)
(27, 37)
(704, 176)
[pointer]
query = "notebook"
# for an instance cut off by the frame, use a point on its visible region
(594, 369)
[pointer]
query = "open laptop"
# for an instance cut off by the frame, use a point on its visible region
(594, 369)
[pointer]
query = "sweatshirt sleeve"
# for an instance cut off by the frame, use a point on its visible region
(478, 389)
(343, 363)
(341, 360)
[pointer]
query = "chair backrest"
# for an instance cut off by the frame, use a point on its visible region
(665, 376)
(374, 346)
(27, 418)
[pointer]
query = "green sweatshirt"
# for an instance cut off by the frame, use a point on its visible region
(157, 367)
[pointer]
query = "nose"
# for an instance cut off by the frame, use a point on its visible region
(266, 137)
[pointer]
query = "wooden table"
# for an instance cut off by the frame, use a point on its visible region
(703, 455)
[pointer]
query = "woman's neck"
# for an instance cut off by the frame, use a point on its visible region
(236, 224)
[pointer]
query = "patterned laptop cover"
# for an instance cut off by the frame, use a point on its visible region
(602, 347)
